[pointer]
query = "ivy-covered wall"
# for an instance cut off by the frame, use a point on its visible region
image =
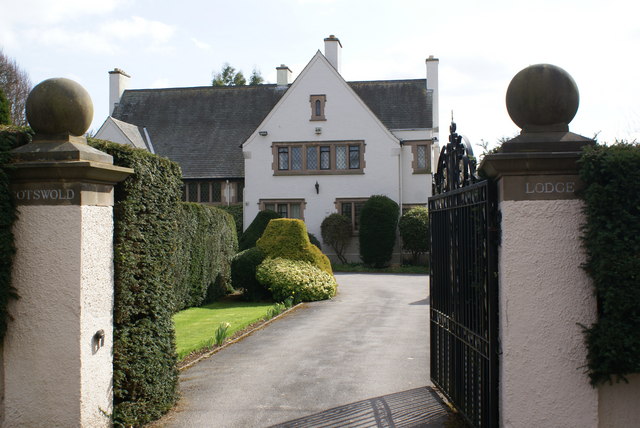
(145, 377)
(10, 138)
(612, 242)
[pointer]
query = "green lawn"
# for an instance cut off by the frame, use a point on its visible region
(195, 327)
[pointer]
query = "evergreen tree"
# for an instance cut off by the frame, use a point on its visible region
(5, 113)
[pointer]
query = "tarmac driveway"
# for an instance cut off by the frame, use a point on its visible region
(361, 359)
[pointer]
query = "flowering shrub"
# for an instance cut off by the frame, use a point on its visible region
(297, 279)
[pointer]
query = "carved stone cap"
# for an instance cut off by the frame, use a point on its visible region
(542, 100)
(60, 111)
(501, 164)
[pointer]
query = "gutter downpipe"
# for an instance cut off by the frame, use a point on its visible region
(400, 188)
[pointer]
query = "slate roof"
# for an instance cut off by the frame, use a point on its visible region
(199, 127)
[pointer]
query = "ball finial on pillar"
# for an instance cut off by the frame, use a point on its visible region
(59, 106)
(541, 98)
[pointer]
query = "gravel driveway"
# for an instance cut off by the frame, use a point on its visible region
(361, 359)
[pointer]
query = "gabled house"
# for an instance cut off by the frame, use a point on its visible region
(328, 145)
(304, 149)
(200, 128)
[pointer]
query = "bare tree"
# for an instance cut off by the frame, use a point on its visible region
(16, 84)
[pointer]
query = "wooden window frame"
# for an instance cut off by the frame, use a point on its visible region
(263, 202)
(330, 146)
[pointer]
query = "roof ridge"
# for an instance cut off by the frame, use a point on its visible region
(183, 88)
(387, 81)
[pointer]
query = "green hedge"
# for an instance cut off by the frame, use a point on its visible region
(612, 242)
(208, 242)
(10, 138)
(243, 274)
(414, 230)
(145, 377)
(378, 223)
(236, 211)
(255, 230)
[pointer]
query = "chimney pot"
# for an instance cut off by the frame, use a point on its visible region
(284, 75)
(118, 82)
(333, 51)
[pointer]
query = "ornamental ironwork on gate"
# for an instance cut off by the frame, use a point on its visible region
(463, 285)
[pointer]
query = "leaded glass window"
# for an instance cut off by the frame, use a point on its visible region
(341, 157)
(204, 192)
(312, 158)
(283, 158)
(217, 191)
(296, 158)
(325, 157)
(192, 193)
(421, 154)
(354, 157)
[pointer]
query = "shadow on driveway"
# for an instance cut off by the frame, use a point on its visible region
(419, 407)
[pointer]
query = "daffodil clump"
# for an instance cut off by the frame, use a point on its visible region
(299, 280)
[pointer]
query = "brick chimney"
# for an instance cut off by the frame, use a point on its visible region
(284, 75)
(118, 82)
(333, 51)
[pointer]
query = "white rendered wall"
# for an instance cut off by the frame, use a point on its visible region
(347, 119)
(544, 297)
(63, 274)
(416, 188)
(110, 132)
(618, 404)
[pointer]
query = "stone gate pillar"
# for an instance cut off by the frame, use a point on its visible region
(544, 294)
(57, 354)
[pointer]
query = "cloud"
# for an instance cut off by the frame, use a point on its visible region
(80, 40)
(161, 82)
(200, 44)
(138, 27)
(54, 12)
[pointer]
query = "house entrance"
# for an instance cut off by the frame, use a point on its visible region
(464, 299)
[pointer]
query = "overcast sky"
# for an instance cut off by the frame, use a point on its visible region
(481, 46)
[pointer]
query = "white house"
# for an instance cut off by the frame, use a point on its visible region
(304, 149)
(328, 145)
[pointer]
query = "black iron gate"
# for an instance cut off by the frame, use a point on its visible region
(463, 290)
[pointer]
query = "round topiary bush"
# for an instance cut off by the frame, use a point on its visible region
(378, 221)
(256, 229)
(414, 230)
(243, 274)
(287, 238)
(297, 279)
(336, 231)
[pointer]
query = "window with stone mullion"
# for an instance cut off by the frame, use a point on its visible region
(283, 158)
(325, 157)
(296, 158)
(354, 157)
